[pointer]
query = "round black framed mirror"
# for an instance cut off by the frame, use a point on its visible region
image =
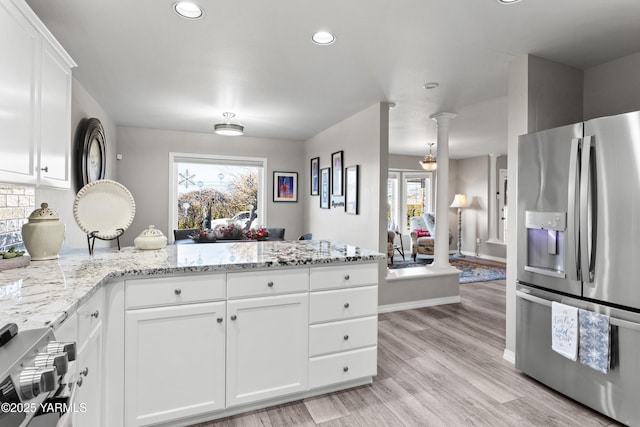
(91, 155)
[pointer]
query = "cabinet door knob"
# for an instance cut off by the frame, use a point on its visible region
(345, 369)
(45, 169)
(219, 319)
(270, 284)
(85, 371)
(346, 305)
(95, 314)
(347, 277)
(79, 382)
(177, 291)
(346, 337)
(234, 317)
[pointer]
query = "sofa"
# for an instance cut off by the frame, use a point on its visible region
(423, 233)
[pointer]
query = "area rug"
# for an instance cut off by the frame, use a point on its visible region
(472, 270)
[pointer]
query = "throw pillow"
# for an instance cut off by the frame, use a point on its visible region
(422, 232)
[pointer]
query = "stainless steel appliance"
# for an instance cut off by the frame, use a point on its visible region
(33, 369)
(579, 244)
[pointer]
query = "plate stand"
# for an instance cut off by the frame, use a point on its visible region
(91, 239)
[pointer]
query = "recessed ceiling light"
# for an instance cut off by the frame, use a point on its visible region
(508, 1)
(188, 10)
(323, 38)
(431, 85)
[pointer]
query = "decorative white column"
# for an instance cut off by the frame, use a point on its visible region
(441, 249)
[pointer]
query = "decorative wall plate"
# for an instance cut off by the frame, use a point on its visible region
(91, 152)
(103, 208)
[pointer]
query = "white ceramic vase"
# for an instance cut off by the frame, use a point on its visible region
(43, 234)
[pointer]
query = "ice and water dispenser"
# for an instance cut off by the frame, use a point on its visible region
(546, 233)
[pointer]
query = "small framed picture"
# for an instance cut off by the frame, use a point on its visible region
(325, 185)
(336, 166)
(315, 177)
(351, 189)
(285, 186)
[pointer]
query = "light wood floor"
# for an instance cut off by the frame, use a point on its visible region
(437, 366)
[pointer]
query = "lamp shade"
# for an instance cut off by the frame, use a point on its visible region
(460, 201)
(429, 163)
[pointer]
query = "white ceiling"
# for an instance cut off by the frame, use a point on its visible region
(149, 68)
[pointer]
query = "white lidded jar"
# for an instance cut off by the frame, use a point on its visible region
(150, 239)
(43, 234)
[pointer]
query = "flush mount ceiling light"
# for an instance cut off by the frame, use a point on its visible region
(188, 10)
(228, 128)
(508, 1)
(431, 85)
(429, 162)
(323, 38)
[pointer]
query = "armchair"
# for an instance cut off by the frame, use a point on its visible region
(423, 233)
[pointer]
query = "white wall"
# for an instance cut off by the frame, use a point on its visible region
(83, 106)
(612, 88)
(364, 138)
(144, 170)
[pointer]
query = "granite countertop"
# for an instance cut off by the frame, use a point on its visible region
(46, 292)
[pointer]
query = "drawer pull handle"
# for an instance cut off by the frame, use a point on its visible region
(270, 284)
(234, 317)
(219, 319)
(345, 369)
(346, 277)
(85, 371)
(346, 305)
(177, 291)
(95, 314)
(346, 337)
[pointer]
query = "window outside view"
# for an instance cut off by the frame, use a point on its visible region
(215, 194)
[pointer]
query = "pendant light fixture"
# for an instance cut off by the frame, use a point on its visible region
(429, 162)
(227, 128)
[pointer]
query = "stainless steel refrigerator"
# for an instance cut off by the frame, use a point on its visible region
(579, 244)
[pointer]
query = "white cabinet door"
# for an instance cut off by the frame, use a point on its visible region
(174, 362)
(54, 166)
(19, 44)
(88, 399)
(267, 347)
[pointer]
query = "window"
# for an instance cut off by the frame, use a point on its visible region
(409, 194)
(211, 190)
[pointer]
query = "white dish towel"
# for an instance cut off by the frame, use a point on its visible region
(564, 330)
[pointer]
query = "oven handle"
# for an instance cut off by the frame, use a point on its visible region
(547, 303)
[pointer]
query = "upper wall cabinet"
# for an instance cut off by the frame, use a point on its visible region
(35, 101)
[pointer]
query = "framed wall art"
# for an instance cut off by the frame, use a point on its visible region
(325, 187)
(351, 189)
(315, 176)
(285, 186)
(336, 167)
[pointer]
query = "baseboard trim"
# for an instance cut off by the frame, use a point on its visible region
(487, 257)
(410, 305)
(509, 356)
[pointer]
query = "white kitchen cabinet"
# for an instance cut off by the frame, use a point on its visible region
(267, 347)
(88, 363)
(35, 100)
(174, 359)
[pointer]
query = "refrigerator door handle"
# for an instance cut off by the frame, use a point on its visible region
(573, 242)
(614, 321)
(588, 211)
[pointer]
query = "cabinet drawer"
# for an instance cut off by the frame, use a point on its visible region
(261, 283)
(346, 275)
(159, 291)
(342, 336)
(347, 366)
(90, 316)
(343, 304)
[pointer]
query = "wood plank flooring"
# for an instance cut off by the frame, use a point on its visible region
(437, 366)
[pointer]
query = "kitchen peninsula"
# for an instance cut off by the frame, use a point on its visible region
(197, 332)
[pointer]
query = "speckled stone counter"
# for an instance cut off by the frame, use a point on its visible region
(46, 292)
